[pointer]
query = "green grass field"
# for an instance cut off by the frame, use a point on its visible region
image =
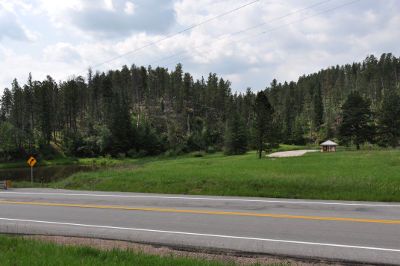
(20, 252)
(346, 175)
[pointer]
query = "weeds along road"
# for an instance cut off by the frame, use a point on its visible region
(336, 230)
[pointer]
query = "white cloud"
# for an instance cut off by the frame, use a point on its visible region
(62, 52)
(21, 64)
(10, 26)
(129, 8)
(84, 31)
(111, 18)
(12, 5)
(109, 5)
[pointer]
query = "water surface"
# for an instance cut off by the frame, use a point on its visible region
(44, 174)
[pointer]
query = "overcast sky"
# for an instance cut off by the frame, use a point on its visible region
(64, 38)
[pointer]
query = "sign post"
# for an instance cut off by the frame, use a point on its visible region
(31, 162)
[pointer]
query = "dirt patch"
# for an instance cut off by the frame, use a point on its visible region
(167, 251)
(296, 153)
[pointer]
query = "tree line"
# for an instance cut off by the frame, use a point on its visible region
(139, 111)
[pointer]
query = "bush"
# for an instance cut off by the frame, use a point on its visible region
(121, 155)
(173, 152)
(133, 153)
(211, 149)
(198, 154)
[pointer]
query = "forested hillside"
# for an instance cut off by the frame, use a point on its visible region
(141, 111)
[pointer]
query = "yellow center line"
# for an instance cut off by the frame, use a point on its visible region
(170, 210)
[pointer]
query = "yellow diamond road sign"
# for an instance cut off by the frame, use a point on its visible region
(31, 161)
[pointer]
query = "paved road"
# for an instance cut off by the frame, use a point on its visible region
(352, 231)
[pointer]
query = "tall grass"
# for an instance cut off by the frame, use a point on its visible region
(347, 175)
(22, 252)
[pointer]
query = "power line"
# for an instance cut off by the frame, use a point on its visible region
(176, 34)
(287, 24)
(246, 29)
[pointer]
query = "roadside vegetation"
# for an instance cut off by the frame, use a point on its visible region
(99, 161)
(55, 161)
(345, 175)
(22, 252)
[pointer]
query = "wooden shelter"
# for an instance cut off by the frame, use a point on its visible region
(328, 146)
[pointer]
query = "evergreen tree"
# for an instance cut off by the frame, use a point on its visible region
(6, 104)
(389, 120)
(122, 134)
(318, 108)
(44, 107)
(87, 116)
(289, 111)
(356, 123)
(17, 115)
(149, 142)
(263, 122)
(7, 143)
(235, 135)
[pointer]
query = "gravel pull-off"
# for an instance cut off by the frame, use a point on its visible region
(289, 153)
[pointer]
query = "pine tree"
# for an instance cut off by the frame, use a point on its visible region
(263, 122)
(17, 116)
(44, 107)
(356, 123)
(389, 120)
(235, 135)
(6, 104)
(166, 104)
(318, 108)
(122, 134)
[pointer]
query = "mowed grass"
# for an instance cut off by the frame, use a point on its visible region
(20, 252)
(345, 175)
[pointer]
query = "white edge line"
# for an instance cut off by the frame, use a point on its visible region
(206, 199)
(202, 235)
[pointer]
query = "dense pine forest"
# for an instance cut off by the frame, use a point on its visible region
(139, 111)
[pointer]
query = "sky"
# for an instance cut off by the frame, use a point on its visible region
(263, 40)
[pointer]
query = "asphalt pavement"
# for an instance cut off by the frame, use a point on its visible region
(364, 232)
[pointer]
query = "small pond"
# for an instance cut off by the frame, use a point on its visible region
(44, 174)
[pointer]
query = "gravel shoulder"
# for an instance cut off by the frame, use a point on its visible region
(168, 251)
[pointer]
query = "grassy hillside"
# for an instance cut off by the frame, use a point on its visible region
(21, 252)
(345, 175)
